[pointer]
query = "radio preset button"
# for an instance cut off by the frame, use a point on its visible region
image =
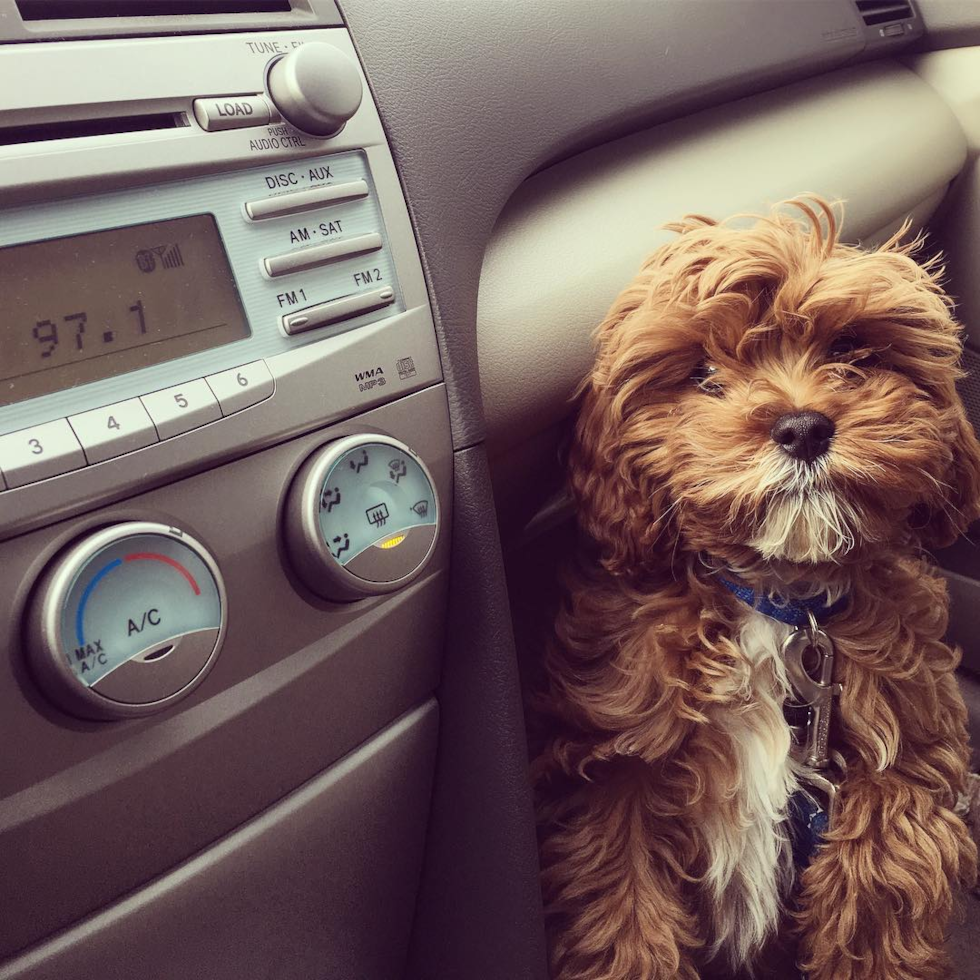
(232, 112)
(317, 255)
(318, 197)
(182, 408)
(116, 429)
(40, 452)
(242, 387)
(336, 310)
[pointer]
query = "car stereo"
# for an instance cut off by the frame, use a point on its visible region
(194, 265)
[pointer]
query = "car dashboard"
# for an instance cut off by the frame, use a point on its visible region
(294, 299)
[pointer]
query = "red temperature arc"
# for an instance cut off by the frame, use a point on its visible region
(153, 556)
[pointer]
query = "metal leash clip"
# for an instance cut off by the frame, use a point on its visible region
(808, 654)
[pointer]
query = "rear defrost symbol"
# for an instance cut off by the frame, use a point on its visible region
(378, 516)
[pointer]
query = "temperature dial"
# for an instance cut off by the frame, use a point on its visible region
(362, 517)
(126, 622)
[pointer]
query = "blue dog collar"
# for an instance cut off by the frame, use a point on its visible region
(793, 612)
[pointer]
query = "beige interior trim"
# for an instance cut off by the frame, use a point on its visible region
(955, 76)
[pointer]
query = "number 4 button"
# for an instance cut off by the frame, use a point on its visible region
(116, 429)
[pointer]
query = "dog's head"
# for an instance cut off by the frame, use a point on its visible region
(768, 394)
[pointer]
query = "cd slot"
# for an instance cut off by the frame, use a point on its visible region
(75, 128)
(35, 10)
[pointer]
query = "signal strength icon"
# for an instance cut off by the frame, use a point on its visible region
(172, 259)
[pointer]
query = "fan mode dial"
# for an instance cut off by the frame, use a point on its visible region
(362, 518)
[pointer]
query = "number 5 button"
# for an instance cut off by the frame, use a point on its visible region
(241, 387)
(114, 430)
(35, 454)
(182, 408)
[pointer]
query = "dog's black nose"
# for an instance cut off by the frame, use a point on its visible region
(804, 435)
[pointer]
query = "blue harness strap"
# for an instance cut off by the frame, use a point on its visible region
(808, 822)
(793, 612)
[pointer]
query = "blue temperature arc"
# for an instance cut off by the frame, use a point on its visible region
(115, 563)
(89, 589)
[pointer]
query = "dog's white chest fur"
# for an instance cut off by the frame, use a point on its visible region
(750, 864)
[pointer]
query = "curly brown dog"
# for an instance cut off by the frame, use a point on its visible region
(771, 414)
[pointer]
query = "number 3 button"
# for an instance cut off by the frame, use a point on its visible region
(37, 453)
(113, 430)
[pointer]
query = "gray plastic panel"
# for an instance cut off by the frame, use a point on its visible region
(479, 915)
(477, 96)
(322, 885)
(89, 810)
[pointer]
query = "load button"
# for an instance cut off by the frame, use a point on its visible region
(232, 112)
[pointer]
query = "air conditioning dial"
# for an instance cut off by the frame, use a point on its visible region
(316, 88)
(126, 621)
(362, 518)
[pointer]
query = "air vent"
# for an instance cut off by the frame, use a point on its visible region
(874, 12)
(38, 10)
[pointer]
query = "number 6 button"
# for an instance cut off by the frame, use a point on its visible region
(242, 386)
(39, 452)
(113, 430)
(182, 408)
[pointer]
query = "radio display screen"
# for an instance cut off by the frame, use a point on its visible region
(88, 307)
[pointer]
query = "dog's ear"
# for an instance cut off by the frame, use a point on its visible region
(959, 504)
(615, 454)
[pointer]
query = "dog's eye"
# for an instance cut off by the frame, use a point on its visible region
(843, 348)
(705, 377)
(848, 349)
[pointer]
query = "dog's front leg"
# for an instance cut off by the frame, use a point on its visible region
(876, 900)
(613, 880)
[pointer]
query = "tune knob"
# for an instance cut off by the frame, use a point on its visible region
(362, 518)
(316, 88)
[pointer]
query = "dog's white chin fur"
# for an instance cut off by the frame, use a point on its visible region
(806, 521)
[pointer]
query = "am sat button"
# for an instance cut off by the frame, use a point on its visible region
(39, 452)
(242, 387)
(116, 429)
